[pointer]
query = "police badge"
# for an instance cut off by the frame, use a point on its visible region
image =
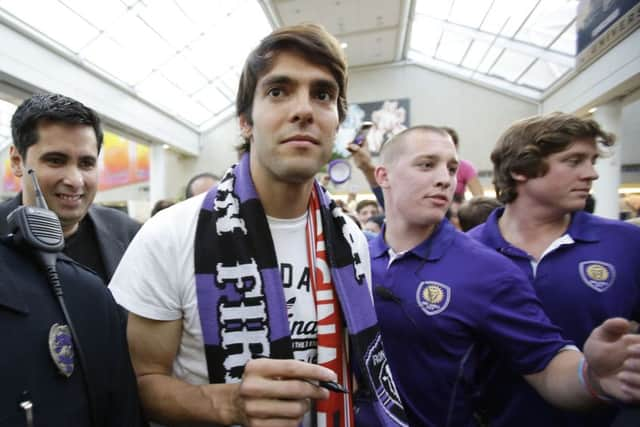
(598, 275)
(61, 348)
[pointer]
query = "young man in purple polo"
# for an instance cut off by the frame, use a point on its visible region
(449, 307)
(584, 268)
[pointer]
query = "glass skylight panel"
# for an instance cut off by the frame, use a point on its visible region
(452, 47)
(508, 16)
(212, 99)
(208, 13)
(489, 59)
(469, 12)
(230, 82)
(542, 75)
(191, 110)
(207, 55)
(566, 43)
(181, 73)
(254, 25)
(140, 41)
(170, 22)
(521, 46)
(112, 58)
(511, 64)
(425, 34)
(159, 90)
(548, 20)
(101, 14)
(434, 8)
(167, 51)
(46, 16)
(475, 54)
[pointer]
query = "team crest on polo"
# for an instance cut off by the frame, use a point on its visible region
(433, 297)
(598, 275)
(61, 348)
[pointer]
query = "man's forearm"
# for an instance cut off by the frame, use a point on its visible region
(369, 174)
(559, 383)
(168, 400)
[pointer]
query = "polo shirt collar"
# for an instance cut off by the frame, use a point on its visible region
(431, 249)
(580, 228)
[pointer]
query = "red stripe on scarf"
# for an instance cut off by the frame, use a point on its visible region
(331, 340)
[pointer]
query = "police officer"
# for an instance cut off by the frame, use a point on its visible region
(43, 383)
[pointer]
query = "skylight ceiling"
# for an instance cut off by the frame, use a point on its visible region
(184, 56)
(6, 112)
(522, 46)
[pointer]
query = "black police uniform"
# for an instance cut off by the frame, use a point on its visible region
(29, 374)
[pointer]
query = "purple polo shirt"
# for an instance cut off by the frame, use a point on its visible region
(580, 285)
(450, 307)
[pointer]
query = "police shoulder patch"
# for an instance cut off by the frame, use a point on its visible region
(598, 275)
(433, 297)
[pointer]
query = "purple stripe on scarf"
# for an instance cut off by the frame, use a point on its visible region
(210, 199)
(355, 300)
(244, 187)
(207, 291)
(276, 308)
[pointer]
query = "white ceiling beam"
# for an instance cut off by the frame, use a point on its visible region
(269, 10)
(406, 20)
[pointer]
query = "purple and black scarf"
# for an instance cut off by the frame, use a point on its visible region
(241, 298)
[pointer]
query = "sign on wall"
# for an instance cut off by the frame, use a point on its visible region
(602, 24)
(10, 183)
(122, 162)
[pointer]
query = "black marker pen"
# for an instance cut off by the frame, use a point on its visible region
(329, 385)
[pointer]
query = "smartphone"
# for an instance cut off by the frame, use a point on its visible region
(361, 136)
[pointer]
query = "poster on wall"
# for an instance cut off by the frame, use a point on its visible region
(600, 25)
(122, 162)
(10, 183)
(388, 117)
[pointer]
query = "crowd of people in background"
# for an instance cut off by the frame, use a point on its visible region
(259, 300)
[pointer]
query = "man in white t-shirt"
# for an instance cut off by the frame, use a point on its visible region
(225, 285)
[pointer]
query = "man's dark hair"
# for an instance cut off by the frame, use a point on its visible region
(476, 211)
(524, 147)
(189, 192)
(50, 108)
(311, 41)
(590, 204)
(364, 203)
(160, 205)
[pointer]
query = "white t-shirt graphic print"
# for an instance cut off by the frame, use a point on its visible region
(289, 240)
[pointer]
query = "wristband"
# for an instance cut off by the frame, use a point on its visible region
(583, 376)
